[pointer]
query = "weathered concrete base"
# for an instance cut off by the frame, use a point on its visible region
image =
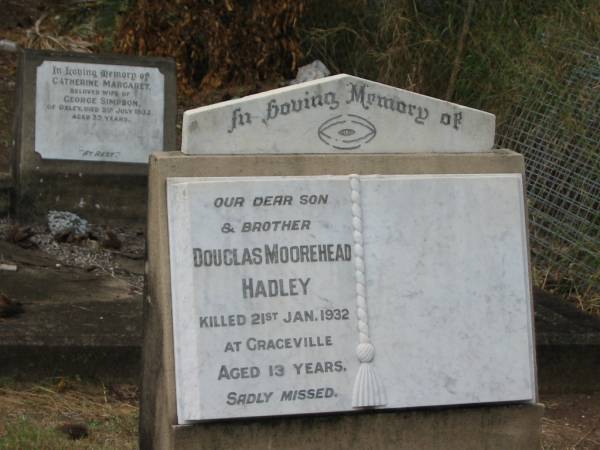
(106, 363)
(489, 427)
(568, 368)
(99, 198)
(568, 346)
(515, 427)
(74, 322)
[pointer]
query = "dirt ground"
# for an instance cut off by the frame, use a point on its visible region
(571, 421)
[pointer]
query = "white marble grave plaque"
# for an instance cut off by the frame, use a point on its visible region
(338, 114)
(98, 112)
(295, 295)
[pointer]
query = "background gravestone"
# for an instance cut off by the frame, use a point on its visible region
(86, 125)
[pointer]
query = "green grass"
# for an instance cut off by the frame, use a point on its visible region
(24, 433)
(32, 413)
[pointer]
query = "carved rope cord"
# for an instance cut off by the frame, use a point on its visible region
(368, 389)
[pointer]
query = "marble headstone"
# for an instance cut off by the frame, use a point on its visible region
(98, 112)
(337, 114)
(296, 295)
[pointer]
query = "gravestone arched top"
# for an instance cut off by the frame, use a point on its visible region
(337, 114)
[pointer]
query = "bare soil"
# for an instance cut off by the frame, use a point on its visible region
(571, 421)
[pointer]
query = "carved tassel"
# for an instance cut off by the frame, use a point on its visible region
(368, 389)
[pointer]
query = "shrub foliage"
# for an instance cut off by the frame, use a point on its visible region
(219, 42)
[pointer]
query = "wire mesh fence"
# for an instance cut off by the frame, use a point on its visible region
(556, 127)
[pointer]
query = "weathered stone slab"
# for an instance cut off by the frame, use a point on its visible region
(265, 282)
(338, 114)
(85, 121)
(98, 112)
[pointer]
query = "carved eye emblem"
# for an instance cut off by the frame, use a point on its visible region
(346, 131)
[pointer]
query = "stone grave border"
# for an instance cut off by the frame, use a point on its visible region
(497, 426)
